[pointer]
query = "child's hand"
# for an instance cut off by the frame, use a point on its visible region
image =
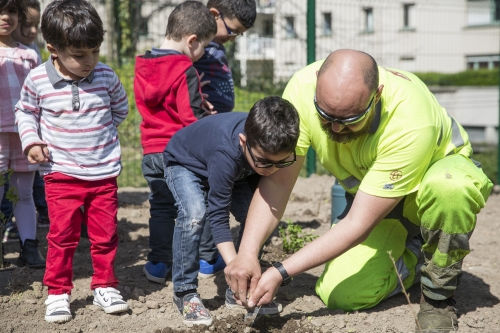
(203, 83)
(38, 153)
(208, 107)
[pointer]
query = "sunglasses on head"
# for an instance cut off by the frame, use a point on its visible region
(347, 121)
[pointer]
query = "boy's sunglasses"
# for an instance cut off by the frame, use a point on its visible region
(230, 33)
(345, 122)
(279, 165)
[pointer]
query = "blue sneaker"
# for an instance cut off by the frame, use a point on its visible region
(156, 271)
(207, 270)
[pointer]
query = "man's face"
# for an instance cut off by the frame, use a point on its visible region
(347, 133)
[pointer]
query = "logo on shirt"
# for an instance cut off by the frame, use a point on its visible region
(388, 186)
(396, 175)
(398, 74)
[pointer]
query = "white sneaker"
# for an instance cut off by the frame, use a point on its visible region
(57, 309)
(110, 300)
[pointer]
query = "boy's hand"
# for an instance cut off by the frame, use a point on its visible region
(208, 107)
(38, 153)
(203, 83)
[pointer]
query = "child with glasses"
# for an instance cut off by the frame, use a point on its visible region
(233, 18)
(212, 168)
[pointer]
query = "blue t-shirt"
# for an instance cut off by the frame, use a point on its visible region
(211, 149)
(220, 90)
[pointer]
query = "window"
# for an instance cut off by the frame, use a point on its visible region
(483, 61)
(368, 19)
(483, 12)
(408, 20)
(327, 24)
(267, 30)
(290, 27)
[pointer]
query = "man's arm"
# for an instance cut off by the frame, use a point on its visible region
(366, 212)
(265, 212)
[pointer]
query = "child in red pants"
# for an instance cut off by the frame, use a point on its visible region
(68, 115)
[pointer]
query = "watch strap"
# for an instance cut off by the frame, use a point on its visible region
(284, 274)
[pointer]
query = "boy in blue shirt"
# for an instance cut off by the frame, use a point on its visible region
(233, 18)
(212, 168)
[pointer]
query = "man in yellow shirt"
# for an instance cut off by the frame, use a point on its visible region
(412, 189)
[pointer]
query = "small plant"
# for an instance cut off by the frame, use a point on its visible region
(293, 237)
(12, 196)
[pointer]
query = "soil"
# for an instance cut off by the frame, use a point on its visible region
(151, 308)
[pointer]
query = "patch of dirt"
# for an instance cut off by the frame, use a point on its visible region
(152, 310)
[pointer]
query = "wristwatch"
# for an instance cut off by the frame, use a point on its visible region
(286, 278)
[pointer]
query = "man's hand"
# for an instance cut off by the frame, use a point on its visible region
(37, 153)
(267, 287)
(242, 275)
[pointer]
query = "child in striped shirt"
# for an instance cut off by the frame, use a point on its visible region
(16, 61)
(68, 116)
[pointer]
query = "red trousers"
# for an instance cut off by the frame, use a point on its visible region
(64, 196)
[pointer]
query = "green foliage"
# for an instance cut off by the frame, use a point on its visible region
(488, 156)
(483, 77)
(293, 237)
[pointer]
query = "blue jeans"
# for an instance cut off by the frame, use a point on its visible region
(190, 192)
(162, 209)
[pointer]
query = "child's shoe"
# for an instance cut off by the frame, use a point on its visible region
(57, 309)
(43, 221)
(192, 310)
(30, 255)
(110, 300)
(207, 270)
(156, 271)
(11, 233)
(268, 309)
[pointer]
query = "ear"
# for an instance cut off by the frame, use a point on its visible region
(190, 40)
(214, 12)
(52, 50)
(378, 95)
(243, 140)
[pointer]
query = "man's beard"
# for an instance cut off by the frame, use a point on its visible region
(346, 135)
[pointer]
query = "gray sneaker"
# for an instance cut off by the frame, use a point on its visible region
(268, 309)
(192, 310)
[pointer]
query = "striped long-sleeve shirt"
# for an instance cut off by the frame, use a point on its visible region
(77, 120)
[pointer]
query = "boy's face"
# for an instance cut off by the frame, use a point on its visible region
(74, 63)
(26, 33)
(196, 48)
(227, 29)
(257, 157)
(8, 21)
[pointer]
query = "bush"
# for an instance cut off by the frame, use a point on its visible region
(483, 77)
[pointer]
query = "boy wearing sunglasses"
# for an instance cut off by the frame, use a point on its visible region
(233, 18)
(212, 168)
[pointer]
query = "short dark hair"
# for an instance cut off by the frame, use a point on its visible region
(72, 23)
(191, 18)
(273, 125)
(33, 4)
(20, 5)
(244, 10)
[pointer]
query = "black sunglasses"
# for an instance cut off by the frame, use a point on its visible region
(345, 122)
(279, 165)
(230, 33)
